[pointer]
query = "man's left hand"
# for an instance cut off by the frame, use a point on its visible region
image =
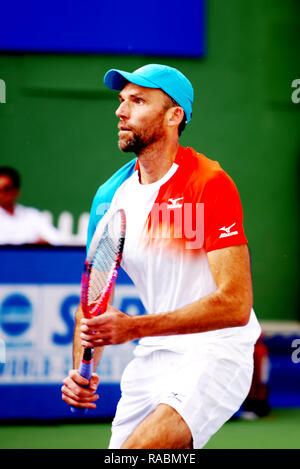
(111, 327)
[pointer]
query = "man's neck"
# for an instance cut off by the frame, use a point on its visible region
(156, 160)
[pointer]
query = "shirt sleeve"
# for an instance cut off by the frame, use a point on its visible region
(223, 214)
(90, 231)
(98, 209)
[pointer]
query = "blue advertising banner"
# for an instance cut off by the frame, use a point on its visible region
(39, 294)
(168, 28)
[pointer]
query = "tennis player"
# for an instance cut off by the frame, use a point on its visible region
(187, 254)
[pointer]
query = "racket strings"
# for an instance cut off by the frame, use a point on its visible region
(105, 262)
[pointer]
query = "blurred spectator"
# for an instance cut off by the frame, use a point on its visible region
(19, 224)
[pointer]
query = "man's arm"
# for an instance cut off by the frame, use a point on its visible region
(229, 306)
(72, 391)
(77, 346)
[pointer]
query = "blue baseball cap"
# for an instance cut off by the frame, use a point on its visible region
(168, 79)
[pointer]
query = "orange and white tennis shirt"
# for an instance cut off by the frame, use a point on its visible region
(171, 226)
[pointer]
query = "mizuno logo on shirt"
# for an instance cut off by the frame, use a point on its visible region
(173, 203)
(227, 231)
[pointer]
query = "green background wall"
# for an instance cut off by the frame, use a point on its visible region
(59, 129)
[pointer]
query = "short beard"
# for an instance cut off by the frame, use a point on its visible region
(135, 144)
(139, 141)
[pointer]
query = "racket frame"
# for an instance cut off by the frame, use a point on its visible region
(86, 367)
(101, 305)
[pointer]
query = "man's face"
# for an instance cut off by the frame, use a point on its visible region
(8, 193)
(142, 117)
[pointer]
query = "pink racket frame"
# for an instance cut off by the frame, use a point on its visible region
(101, 304)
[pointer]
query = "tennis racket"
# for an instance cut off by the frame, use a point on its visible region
(99, 275)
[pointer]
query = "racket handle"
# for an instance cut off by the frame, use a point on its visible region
(85, 370)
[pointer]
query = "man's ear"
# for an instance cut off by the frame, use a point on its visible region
(17, 194)
(175, 116)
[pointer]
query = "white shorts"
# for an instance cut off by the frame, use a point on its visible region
(205, 387)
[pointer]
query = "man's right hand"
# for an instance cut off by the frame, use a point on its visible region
(75, 395)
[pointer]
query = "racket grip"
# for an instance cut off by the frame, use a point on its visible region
(85, 370)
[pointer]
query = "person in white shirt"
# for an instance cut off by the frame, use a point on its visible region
(20, 224)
